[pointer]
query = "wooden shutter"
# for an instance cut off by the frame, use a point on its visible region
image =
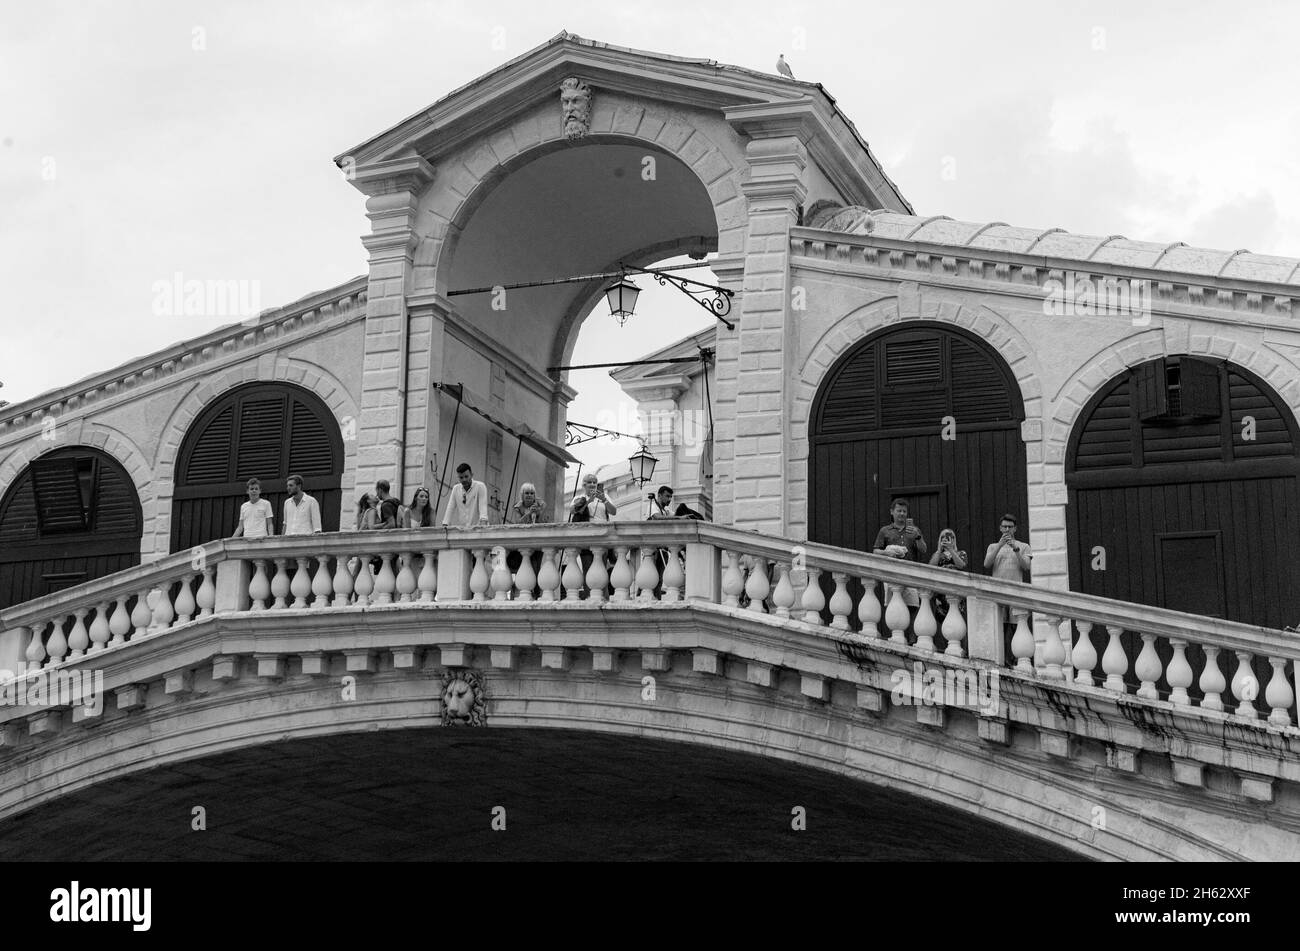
(58, 496)
(310, 452)
(915, 361)
(261, 437)
(979, 390)
(1150, 397)
(850, 405)
(1199, 382)
(210, 459)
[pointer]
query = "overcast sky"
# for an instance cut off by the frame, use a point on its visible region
(127, 154)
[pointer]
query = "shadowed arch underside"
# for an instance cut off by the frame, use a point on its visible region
(429, 794)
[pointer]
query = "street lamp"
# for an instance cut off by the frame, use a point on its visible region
(642, 465)
(621, 297)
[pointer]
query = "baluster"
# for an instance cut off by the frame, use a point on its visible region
(322, 586)
(869, 608)
(954, 626)
(1279, 694)
(342, 583)
(1212, 682)
(1114, 662)
(259, 588)
(1148, 668)
(300, 586)
(841, 602)
(733, 580)
(814, 599)
(185, 604)
(597, 576)
(548, 578)
(79, 637)
(406, 578)
(1179, 673)
(525, 577)
(386, 581)
(674, 574)
(57, 645)
(1022, 644)
(926, 625)
(428, 580)
(1083, 655)
(206, 599)
(99, 629)
(364, 585)
(621, 578)
(142, 615)
(757, 585)
(280, 587)
(1053, 650)
(782, 597)
(1244, 687)
(647, 576)
(478, 578)
(162, 615)
(36, 646)
(572, 575)
(501, 582)
(896, 615)
(119, 622)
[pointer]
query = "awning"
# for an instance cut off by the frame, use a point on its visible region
(521, 431)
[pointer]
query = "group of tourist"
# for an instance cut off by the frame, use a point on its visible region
(1005, 558)
(466, 508)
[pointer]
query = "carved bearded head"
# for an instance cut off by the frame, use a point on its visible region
(575, 104)
(464, 702)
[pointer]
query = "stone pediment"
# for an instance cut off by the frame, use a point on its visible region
(754, 103)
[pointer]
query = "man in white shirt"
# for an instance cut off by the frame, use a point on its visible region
(301, 512)
(467, 507)
(255, 515)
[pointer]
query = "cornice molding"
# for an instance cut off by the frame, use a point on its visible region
(1253, 302)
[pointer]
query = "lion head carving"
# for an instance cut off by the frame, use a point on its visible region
(464, 701)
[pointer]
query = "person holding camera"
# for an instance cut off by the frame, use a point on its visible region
(1008, 559)
(590, 505)
(947, 555)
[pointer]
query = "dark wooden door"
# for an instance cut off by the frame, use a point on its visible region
(1184, 492)
(262, 431)
(923, 411)
(71, 516)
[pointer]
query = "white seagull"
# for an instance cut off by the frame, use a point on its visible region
(783, 67)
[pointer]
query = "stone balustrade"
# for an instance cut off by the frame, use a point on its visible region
(1151, 653)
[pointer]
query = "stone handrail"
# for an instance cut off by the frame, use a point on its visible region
(665, 563)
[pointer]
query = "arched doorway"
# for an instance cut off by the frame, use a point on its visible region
(262, 430)
(71, 516)
(1184, 493)
(925, 411)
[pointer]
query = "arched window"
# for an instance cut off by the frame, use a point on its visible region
(265, 431)
(71, 516)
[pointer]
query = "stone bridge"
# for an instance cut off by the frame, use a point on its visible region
(1101, 730)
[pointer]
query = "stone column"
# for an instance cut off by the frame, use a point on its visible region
(754, 362)
(393, 187)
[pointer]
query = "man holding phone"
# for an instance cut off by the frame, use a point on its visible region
(1008, 559)
(901, 539)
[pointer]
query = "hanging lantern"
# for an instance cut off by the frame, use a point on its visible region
(642, 465)
(621, 298)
